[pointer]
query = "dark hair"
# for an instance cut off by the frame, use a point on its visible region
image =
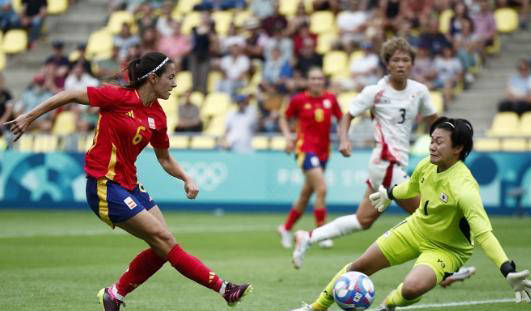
(139, 67)
(461, 130)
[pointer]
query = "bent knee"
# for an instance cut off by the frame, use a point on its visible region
(412, 290)
(366, 221)
(162, 238)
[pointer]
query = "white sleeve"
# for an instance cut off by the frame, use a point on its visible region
(362, 102)
(426, 107)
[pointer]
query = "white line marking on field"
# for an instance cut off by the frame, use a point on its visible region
(455, 304)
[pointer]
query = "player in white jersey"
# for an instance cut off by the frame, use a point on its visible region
(394, 103)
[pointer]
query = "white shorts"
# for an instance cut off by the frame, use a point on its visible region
(382, 172)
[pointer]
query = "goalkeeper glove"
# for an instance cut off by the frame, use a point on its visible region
(380, 199)
(519, 281)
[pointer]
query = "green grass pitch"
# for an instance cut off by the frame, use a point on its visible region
(58, 260)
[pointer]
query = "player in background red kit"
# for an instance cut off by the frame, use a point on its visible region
(313, 111)
(130, 118)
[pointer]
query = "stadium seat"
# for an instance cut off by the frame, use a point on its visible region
(191, 20)
(525, 124)
(288, 8)
(354, 56)
(179, 141)
(444, 20)
(278, 143)
(223, 20)
(241, 16)
(65, 123)
(56, 7)
(216, 126)
(487, 144)
(2, 61)
(202, 142)
(495, 48)
(216, 103)
(17, 5)
(100, 44)
(197, 98)
(45, 143)
(322, 22)
(325, 42)
(260, 142)
(184, 82)
(213, 79)
(505, 124)
(506, 20)
(15, 41)
(186, 6)
(118, 18)
(514, 144)
(335, 62)
(437, 101)
(345, 99)
(25, 143)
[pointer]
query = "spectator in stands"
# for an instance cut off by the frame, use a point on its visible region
(518, 90)
(364, 70)
(150, 40)
(276, 72)
(279, 40)
(81, 57)
(276, 21)
(484, 26)
(300, 18)
(233, 34)
(406, 32)
(424, 69)
(8, 17)
(465, 43)
(57, 58)
(124, 40)
(240, 126)
(165, 25)
(390, 11)
(79, 79)
(326, 5)
(449, 72)
(235, 68)
(109, 67)
(303, 36)
(204, 44)
(460, 17)
(307, 59)
(6, 105)
(417, 12)
(176, 46)
(352, 24)
(189, 115)
(433, 39)
(36, 93)
(255, 40)
(146, 18)
(209, 5)
(33, 15)
(262, 8)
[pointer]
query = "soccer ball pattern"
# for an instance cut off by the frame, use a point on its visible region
(354, 291)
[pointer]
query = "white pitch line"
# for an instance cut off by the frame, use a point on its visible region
(455, 304)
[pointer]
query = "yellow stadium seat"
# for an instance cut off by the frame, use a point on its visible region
(335, 62)
(322, 22)
(506, 20)
(278, 143)
(437, 101)
(170, 105)
(100, 44)
(260, 142)
(57, 6)
(3, 143)
(171, 121)
(505, 124)
(288, 7)
(487, 144)
(325, 42)
(179, 141)
(525, 124)
(222, 20)
(15, 41)
(65, 123)
(186, 6)
(495, 48)
(117, 19)
(216, 103)
(2, 61)
(45, 143)
(216, 127)
(213, 79)
(17, 5)
(356, 55)
(514, 144)
(203, 142)
(197, 98)
(444, 20)
(191, 20)
(184, 82)
(345, 99)
(25, 143)
(241, 16)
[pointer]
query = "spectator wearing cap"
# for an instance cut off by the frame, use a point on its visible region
(33, 16)
(518, 90)
(80, 56)
(57, 58)
(234, 67)
(189, 115)
(240, 126)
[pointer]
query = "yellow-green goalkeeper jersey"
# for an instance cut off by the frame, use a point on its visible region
(451, 212)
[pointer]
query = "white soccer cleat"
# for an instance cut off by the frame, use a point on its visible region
(328, 243)
(305, 307)
(286, 239)
(302, 244)
(382, 307)
(461, 275)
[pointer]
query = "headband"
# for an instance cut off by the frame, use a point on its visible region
(446, 122)
(155, 69)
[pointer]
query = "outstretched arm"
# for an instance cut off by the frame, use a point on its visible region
(21, 123)
(171, 167)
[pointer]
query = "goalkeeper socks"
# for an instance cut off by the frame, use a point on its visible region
(395, 298)
(293, 216)
(194, 269)
(326, 299)
(340, 226)
(320, 216)
(143, 266)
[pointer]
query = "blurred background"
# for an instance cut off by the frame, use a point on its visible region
(246, 58)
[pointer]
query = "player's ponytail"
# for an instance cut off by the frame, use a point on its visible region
(462, 133)
(139, 69)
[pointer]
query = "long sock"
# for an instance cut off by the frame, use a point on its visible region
(194, 269)
(326, 298)
(338, 227)
(320, 216)
(293, 216)
(141, 268)
(395, 298)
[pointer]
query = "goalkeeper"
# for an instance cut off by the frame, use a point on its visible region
(440, 234)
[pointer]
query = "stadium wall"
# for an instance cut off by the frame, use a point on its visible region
(263, 181)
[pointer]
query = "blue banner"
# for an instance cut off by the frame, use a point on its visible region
(254, 182)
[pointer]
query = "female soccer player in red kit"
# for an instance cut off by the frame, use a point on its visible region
(313, 110)
(130, 118)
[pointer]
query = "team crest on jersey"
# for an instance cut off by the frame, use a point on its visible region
(129, 201)
(307, 106)
(151, 123)
(327, 104)
(131, 114)
(444, 197)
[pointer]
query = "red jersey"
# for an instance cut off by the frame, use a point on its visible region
(314, 116)
(125, 127)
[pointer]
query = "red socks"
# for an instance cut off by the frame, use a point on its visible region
(320, 216)
(143, 266)
(193, 268)
(293, 216)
